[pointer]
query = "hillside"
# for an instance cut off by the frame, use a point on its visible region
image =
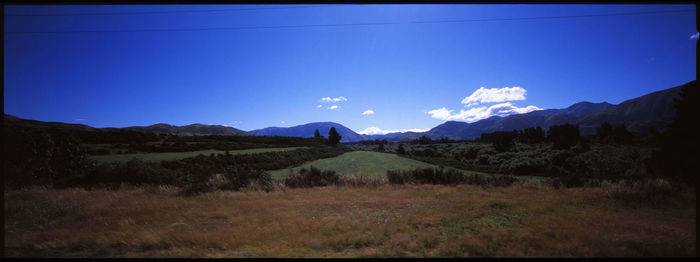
(12, 120)
(307, 130)
(189, 130)
(637, 114)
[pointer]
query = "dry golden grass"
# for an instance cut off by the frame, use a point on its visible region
(524, 220)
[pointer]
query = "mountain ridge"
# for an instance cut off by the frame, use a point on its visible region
(637, 114)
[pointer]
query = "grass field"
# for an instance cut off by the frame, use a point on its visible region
(523, 220)
(155, 157)
(359, 162)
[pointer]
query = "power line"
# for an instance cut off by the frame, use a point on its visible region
(174, 11)
(351, 24)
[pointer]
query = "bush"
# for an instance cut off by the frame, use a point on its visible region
(503, 144)
(445, 177)
(639, 191)
(312, 178)
(232, 179)
(563, 136)
(134, 172)
(471, 153)
(401, 150)
(361, 181)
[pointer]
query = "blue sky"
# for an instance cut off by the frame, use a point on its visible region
(410, 75)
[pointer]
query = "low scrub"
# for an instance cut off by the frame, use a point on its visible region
(639, 191)
(445, 177)
(361, 181)
(232, 179)
(311, 178)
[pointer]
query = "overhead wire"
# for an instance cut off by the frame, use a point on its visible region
(174, 11)
(350, 24)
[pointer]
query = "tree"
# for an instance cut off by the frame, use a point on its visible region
(317, 134)
(680, 145)
(564, 136)
(503, 143)
(333, 137)
(604, 130)
(401, 150)
(380, 148)
(622, 136)
(424, 140)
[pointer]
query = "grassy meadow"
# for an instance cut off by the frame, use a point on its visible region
(156, 157)
(523, 220)
(367, 163)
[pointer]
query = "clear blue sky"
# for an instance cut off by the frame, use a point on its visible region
(257, 78)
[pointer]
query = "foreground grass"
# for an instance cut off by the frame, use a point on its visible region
(373, 164)
(389, 221)
(156, 157)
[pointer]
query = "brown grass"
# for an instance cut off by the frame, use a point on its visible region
(524, 220)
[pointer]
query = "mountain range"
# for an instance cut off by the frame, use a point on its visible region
(189, 130)
(638, 115)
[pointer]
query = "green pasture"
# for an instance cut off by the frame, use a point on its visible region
(360, 163)
(155, 157)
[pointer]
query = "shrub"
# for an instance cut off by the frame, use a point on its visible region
(361, 181)
(563, 136)
(639, 191)
(232, 179)
(401, 150)
(503, 144)
(471, 153)
(311, 178)
(445, 177)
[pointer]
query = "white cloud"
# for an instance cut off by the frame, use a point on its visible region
(695, 36)
(282, 121)
(337, 99)
(80, 119)
(478, 113)
(319, 106)
(491, 95)
(415, 130)
(368, 112)
(333, 107)
(373, 130)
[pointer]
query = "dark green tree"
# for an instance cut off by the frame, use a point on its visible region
(401, 150)
(380, 148)
(680, 144)
(333, 137)
(563, 136)
(317, 134)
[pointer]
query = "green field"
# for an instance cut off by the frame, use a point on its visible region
(360, 162)
(155, 157)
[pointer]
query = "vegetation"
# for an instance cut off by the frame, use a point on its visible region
(156, 157)
(680, 145)
(333, 137)
(445, 177)
(373, 164)
(523, 220)
(563, 136)
(311, 178)
(41, 157)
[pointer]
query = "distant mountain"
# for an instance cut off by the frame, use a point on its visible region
(578, 109)
(190, 130)
(638, 114)
(307, 130)
(11, 120)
